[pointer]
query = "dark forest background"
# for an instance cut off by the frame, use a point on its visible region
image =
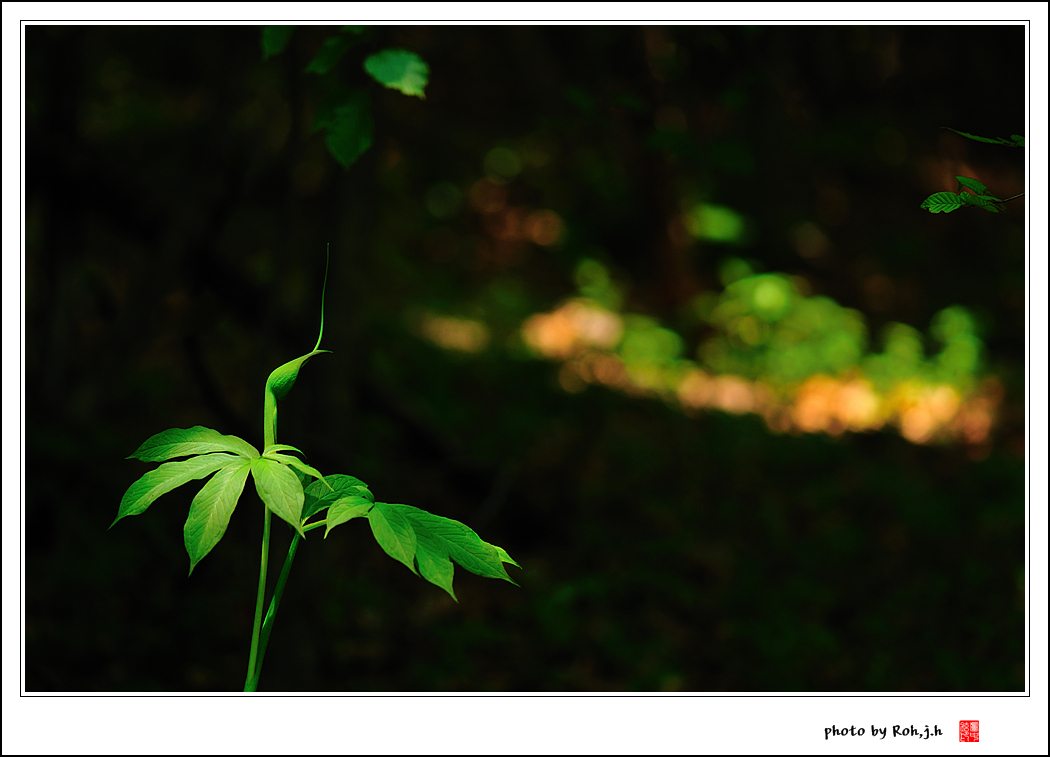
(177, 209)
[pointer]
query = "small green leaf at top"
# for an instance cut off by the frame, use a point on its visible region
(275, 39)
(197, 440)
(400, 70)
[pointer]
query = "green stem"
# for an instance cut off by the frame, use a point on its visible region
(252, 677)
(271, 613)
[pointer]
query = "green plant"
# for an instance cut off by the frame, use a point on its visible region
(345, 113)
(946, 202)
(426, 544)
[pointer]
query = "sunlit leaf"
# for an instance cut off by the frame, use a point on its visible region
(211, 510)
(463, 544)
(418, 538)
(141, 494)
(346, 508)
(394, 534)
(280, 490)
(198, 440)
(318, 496)
(294, 462)
(400, 70)
(942, 202)
(275, 39)
(281, 447)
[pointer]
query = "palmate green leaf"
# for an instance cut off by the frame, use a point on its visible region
(140, 495)
(211, 509)
(427, 544)
(942, 202)
(400, 70)
(280, 491)
(198, 440)
(348, 121)
(275, 39)
(319, 497)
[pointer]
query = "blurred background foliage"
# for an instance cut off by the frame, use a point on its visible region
(654, 308)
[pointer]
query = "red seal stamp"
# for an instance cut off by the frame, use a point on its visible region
(969, 730)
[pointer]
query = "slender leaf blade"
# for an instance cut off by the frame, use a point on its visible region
(318, 496)
(282, 448)
(141, 494)
(432, 557)
(399, 69)
(505, 557)
(211, 509)
(394, 533)
(197, 440)
(280, 490)
(975, 138)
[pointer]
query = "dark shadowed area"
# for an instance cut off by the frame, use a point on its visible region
(655, 309)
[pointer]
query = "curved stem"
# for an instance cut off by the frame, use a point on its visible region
(252, 673)
(271, 613)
